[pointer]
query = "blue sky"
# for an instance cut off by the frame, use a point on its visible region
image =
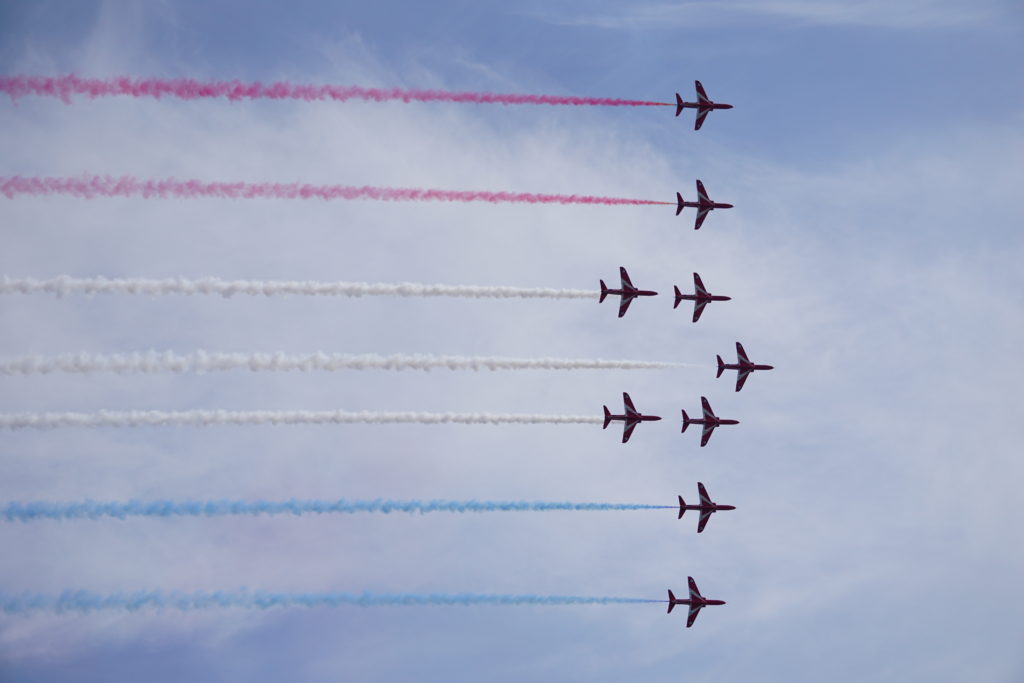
(874, 156)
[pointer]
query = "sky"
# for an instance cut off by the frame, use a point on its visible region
(874, 158)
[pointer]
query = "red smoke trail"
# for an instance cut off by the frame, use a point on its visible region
(189, 89)
(91, 186)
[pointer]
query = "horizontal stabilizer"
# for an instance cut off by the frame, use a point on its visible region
(682, 507)
(604, 292)
(686, 421)
(607, 417)
(679, 203)
(671, 601)
(679, 297)
(721, 366)
(679, 104)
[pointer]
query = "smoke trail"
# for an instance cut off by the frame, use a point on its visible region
(65, 284)
(202, 418)
(65, 87)
(92, 186)
(34, 511)
(87, 601)
(202, 361)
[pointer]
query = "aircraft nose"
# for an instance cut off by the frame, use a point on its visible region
(726, 106)
(725, 206)
(728, 298)
(770, 367)
(654, 418)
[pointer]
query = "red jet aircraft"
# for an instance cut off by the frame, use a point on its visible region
(703, 105)
(631, 419)
(696, 601)
(703, 205)
(743, 366)
(700, 297)
(706, 507)
(710, 421)
(628, 292)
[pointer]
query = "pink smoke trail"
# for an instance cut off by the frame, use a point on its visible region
(65, 87)
(92, 186)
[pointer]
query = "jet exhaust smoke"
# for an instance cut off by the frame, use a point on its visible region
(65, 87)
(92, 186)
(64, 285)
(202, 418)
(87, 601)
(34, 511)
(203, 361)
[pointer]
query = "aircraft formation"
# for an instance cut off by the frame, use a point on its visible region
(743, 366)
(626, 291)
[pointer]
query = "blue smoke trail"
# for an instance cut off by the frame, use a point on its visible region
(87, 601)
(27, 512)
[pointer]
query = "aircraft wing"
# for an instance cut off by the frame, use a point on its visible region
(698, 308)
(624, 276)
(628, 403)
(694, 592)
(701, 95)
(701, 215)
(707, 407)
(705, 515)
(702, 194)
(698, 284)
(741, 354)
(702, 114)
(741, 378)
(692, 616)
(624, 303)
(706, 435)
(703, 492)
(627, 430)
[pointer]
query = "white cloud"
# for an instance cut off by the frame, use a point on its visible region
(917, 14)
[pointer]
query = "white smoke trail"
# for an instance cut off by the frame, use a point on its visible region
(201, 418)
(87, 601)
(64, 285)
(40, 510)
(203, 361)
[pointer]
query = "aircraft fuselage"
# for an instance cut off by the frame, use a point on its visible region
(703, 602)
(704, 297)
(747, 366)
(712, 508)
(711, 421)
(703, 205)
(632, 292)
(704, 105)
(633, 418)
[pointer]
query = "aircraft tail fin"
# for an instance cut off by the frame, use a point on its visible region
(604, 292)
(679, 104)
(686, 421)
(721, 366)
(679, 203)
(679, 297)
(671, 602)
(607, 417)
(682, 507)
